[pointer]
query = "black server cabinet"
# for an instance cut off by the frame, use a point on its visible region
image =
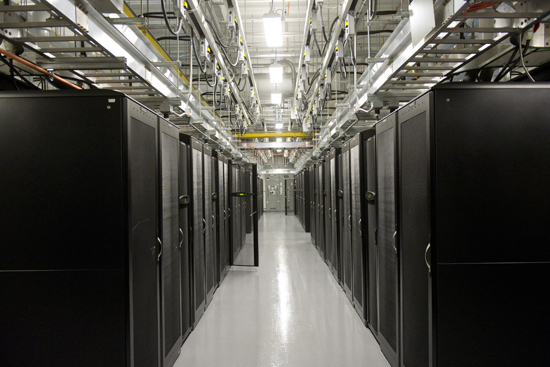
(335, 230)
(209, 238)
(307, 201)
(359, 232)
(327, 192)
(347, 254)
(320, 219)
(170, 239)
(369, 167)
(234, 213)
(79, 248)
(388, 261)
(313, 211)
(223, 243)
(227, 212)
(185, 248)
(340, 215)
(243, 204)
(479, 202)
(248, 200)
(197, 224)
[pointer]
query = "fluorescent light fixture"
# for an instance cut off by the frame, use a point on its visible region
(49, 55)
(279, 140)
(276, 98)
(273, 29)
(276, 73)
(279, 125)
(279, 150)
(454, 24)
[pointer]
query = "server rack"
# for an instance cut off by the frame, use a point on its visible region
(235, 213)
(221, 217)
(80, 237)
(327, 192)
(335, 229)
(169, 237)
(243, 205)
(320, 205)
(197, 226)
(347, 254)
(359, 217)
(313, 212)
(226, 212)
(340, 216)
(307, 201)
(209, 248)
(479, 260)
(371, 197)
(184, 200)
(388, 260)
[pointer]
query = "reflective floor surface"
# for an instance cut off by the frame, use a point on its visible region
(288, 312)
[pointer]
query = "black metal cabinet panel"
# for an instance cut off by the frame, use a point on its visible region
(227, 212)
(372, 198)
(359, 233)
(334, 201)
(327, 192)
(307, 201)
(489, 256)
(340, 216)
(198, 226)
(386, 159)
(170, 237)
(184, 207)
(78, 230)
(320, 205)
(312, 214)
(347, 260)
(414, 157)
(221, 215)
(209, 248)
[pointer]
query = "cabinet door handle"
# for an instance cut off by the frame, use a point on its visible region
(181, 237)
(224, 217)
(229, 209)
(426, 257)
(349, 221)
(393, 241)
(329, 213)
(213, 221)
(360, 231)
(160, 252)
(203, 225)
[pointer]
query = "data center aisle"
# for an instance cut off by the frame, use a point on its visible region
(289, 312)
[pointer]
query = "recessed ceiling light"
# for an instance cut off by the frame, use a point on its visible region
(276, 98)
(279, 125)
(273, 29)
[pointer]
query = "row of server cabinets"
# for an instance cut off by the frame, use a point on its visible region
(115, 230)
(435, 225)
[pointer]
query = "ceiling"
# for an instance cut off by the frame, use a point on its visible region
(210, 96)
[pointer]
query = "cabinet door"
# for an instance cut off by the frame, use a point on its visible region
(347, 265)
(370, 149)
(144, 243)
(357, 247)
(170, 262)
(209, 233)
(184, 173)
(387, 238)
(414, 179)
(199, 227)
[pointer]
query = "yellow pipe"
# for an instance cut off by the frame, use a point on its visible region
(273, 135)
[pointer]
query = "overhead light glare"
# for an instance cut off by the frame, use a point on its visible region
(276, 73)
(279, 125)
(276, 98)
(279, 150)
(279, 140)
(273, 29)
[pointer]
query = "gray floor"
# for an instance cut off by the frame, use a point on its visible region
(288, 312)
